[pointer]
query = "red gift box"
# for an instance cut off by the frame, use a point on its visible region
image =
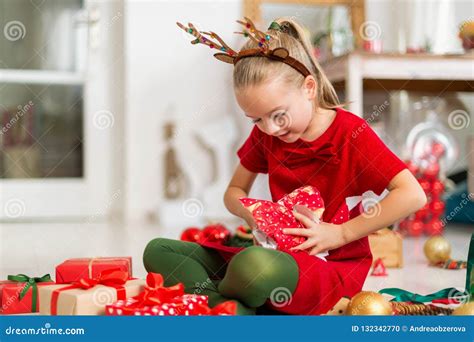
(16, 297)
(186, 305)
(271, 218)
(73, 270)
(158, 300)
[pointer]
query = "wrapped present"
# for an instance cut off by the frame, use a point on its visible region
(271, 218)
(73, 270)
(88, 296)
(158, 300)
(387, 245)
(447, 298)
(19, 294)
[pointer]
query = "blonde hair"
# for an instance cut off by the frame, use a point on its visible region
(253, 71)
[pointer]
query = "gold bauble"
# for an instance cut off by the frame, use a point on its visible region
(437, 249)
(369, 303)
(465, 310)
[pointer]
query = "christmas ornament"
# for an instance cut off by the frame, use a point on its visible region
(369, 303)
(437, 249)
(379, 269)
(432, 151)
(434, 227)
(191, 234)
(215, 233)
(437, 207)
(414, 227)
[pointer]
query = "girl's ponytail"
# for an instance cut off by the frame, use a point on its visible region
(327, 96)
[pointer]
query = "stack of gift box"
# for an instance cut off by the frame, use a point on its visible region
(102, 286)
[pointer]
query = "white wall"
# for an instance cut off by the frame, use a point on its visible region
(167, 77)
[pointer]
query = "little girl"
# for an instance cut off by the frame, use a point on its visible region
(302, 136)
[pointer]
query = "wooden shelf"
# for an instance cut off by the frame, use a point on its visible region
(16, 76)
(358, 71)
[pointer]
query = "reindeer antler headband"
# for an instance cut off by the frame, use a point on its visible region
(230, 56)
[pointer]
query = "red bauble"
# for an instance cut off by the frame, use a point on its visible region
(437, 207)
(423, 213)
(402, 226)
(434, 227)
(437, 188)
(425, 185)
(412, 167)
(192, 234)
(215, 233)
(431, 171)
(437, 149)
(415, 227)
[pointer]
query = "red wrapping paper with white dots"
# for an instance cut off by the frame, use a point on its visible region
(187, 307)
(271, 218)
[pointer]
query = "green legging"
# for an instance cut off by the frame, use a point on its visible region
(249, 278)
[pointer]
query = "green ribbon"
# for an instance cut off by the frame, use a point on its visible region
(275, 26)
(30, 282)
(406, 296)
(469, 271)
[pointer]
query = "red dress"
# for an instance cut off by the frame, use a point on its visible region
(348, 159)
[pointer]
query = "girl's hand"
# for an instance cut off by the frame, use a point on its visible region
(248, 217)
(321, 236)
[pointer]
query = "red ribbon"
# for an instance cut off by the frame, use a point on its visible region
(115, 278)
(155, 293)
(225, 308)
(297, 157)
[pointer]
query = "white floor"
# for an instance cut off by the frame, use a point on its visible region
(35, 249)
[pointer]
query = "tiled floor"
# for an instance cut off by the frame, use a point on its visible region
(35, 249)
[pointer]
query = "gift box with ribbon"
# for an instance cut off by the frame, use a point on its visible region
(72, 270)
(387, 245)
(271, 218)
(88, 296)
(158, 300)
(19, 294)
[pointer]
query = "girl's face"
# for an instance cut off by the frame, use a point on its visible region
(279, 109)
